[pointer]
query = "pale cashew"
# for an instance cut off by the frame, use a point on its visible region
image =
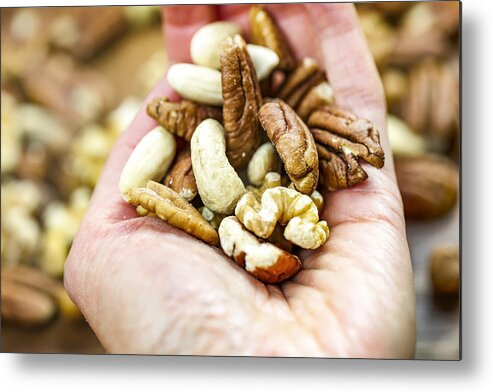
(150, 160)
(263, 161)
(288, 207)
(218, 184)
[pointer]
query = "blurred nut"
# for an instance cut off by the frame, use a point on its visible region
(288, 207)
(218, 184)
(445, 270)
(263, 260)
(395, 85)
(54, 251)
(85, 31)
(379, 33)
(20, 235)
(150, 160)
(24, 305)
(120, 119)
(40, 281)
(403, 141)
(196, 83)
(431, 106)
(428, 184)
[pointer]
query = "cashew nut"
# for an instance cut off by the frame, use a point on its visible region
(150, 160)
(218, 184)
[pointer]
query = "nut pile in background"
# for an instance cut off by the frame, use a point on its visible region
(60, 118)
(416, 48)
(235, 122)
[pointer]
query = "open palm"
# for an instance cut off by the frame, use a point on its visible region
(146, 287)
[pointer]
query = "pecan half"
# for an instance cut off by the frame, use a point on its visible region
(181, 118)
(306, 75)
(170, 207)
(242, 100)
(341, 139)
(180, 178)
(265, 32)
(294, 144)
(263, 260)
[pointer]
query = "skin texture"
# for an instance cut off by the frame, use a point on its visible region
(146, 287)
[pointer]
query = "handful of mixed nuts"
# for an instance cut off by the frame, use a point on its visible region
(287, 140)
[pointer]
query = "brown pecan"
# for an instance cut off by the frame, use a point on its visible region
(242, 100)
(428, 184)
(338, 172)
(180, 178)
(181, 118)
(445, 270)
(341, 139)
(265, 32)
(294, 144)
(172, 208)
(305, 76)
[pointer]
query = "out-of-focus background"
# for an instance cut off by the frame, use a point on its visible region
(73, 78)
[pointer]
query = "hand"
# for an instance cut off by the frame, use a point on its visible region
(146, 287)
